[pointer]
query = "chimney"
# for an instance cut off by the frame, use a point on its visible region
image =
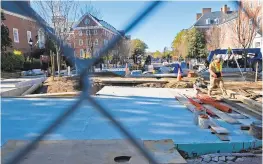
(206, 10)
(225, 9)
(198, 15)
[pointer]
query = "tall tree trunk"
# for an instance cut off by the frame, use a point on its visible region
(245, 62)
(58, 61)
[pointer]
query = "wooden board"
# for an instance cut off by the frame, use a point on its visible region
(242, 110)
(220, 132)
(249, 108)
(222, 115)
(252, 103)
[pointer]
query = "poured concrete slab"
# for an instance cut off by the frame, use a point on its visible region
(94, 152)
(80, 152)
(148, 113)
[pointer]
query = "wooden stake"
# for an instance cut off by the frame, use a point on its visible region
(256, 76)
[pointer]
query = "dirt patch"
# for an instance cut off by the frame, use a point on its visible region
(172, 83)
(62, 84)
(244, 85)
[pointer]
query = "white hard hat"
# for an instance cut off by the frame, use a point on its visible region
(218, 56)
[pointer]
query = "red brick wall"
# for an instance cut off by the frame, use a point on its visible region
(75, 40)
(23, 25)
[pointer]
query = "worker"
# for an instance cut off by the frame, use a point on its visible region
(216, 79)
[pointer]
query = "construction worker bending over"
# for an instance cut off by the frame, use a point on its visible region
(216, 79)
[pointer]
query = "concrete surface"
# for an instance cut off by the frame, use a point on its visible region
(79, 152)
(16, 87)
(95, 152)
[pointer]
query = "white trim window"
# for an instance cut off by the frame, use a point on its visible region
(259, 21)
(257, 45)
(208, 21)
(29, 36)
(96, 42)
(251, 4)
(88, 32)
(95, 32)
(80, 32)
(216, 21)
(16, 35)
(105, 42)
(81, 53)
(80, 42)
(259, 2)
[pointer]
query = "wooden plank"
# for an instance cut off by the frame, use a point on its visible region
(237, 116)
(252, 103)
(249, 108)
(222, 115)
(213, 126)
(222, 137)
(243, 110)
(219, 130)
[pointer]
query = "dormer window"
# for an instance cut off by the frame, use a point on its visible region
(208, 21)
(216, 21)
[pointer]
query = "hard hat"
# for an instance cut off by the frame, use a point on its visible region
(218, 56)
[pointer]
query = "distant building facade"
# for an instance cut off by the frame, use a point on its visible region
(22, 27)
(90, 34)
(226, 21)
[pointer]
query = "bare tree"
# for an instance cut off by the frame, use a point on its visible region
(60, 15)
(244, 27)
(214, 36)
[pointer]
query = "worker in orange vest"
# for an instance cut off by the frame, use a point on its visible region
(216, 79)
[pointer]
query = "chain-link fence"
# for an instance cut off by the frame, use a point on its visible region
(84, 77)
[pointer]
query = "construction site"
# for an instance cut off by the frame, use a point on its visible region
(172, 119)
(114, 105)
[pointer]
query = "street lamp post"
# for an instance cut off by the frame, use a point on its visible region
(31, 45)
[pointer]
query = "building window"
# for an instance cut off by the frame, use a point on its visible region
(96, 42)
(88, 32)
(251, 4)
(259, 2)
(259, 22)
(16, 35)
(216, 21)
(208, 21)
(105, 42)
(80, 33)
(81, 53)
(95, 32)
(28, 34)
(257, 44)
(80, 42)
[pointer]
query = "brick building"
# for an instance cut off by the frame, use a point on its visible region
(226, 22)
(21, 26)
(90, 34)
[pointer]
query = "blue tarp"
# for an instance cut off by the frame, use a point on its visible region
(235, 51)
(176, 67)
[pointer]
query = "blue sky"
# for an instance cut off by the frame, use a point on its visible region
(159, 29)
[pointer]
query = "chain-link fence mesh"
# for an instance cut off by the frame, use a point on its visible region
(84, 77)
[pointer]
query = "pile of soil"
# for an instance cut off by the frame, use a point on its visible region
(170, 84)
(62, 84)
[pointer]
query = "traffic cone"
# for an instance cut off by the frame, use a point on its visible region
(126, 70)
(179, 76)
